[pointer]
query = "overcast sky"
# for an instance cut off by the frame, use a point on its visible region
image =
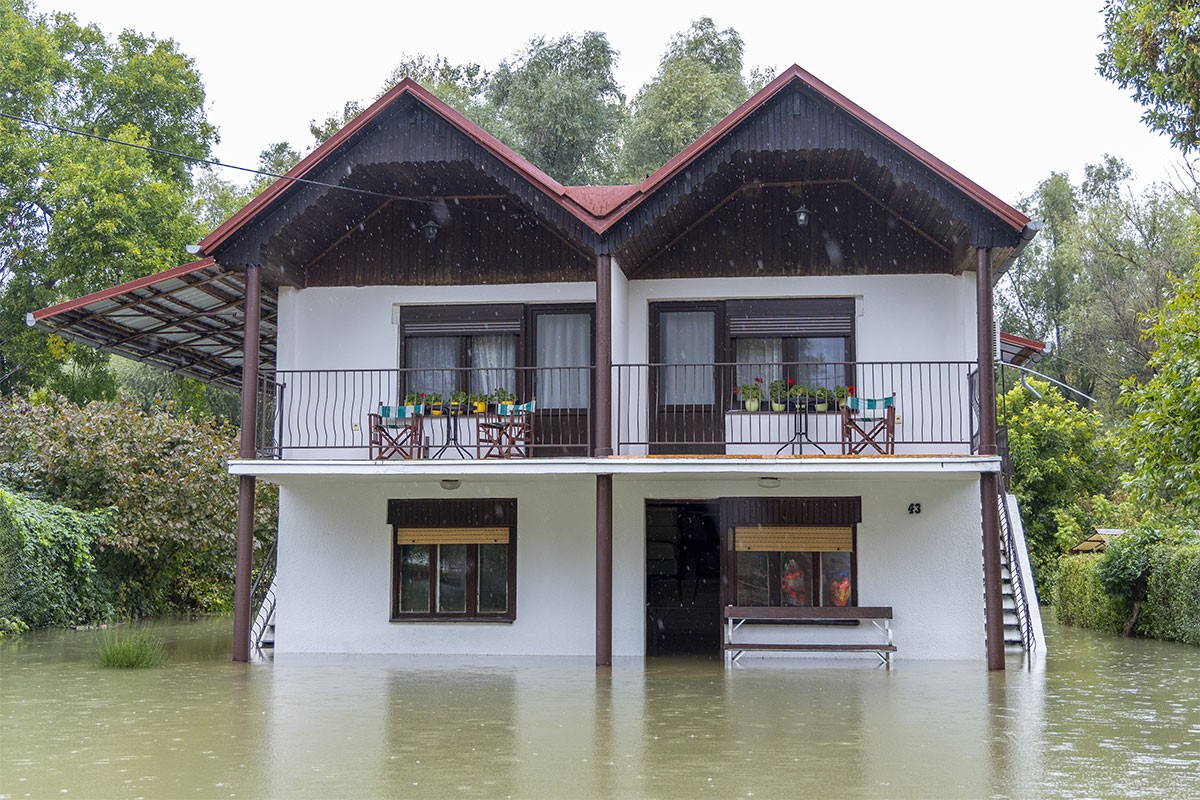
(1005, 92)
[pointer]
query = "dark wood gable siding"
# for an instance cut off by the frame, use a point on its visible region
(410, 152)
(804, 142)
(791, 511)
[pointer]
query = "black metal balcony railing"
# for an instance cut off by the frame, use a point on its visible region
(656, 408)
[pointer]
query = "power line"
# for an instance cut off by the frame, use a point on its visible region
(196, 160)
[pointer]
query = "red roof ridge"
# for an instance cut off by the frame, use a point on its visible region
(600, 201)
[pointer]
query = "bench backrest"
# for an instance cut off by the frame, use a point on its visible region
(807, 612)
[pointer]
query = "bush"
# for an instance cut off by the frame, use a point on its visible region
(1080, 599)
(172, 542)
(135, 650)
(1172, 607)
(48, 576)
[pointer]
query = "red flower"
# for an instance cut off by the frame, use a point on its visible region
(849, 390)
(790, 381)
(758, 380)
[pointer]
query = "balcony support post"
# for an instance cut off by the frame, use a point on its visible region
(989, 487)
(602, 429)
(604, 550)
(246, 450)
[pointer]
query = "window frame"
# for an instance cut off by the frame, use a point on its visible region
(841, 309)
(453, 515)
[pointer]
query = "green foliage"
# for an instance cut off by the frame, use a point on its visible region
(1089, 280)
(1162, 438)
(1124, 567)
(558, 104)
(1060, 454)
(699, 81)
(48, 575)
(171, 546)
(82, 214)
(138, 649)
(1079, 597)
(1153, 48)
(1172, 607)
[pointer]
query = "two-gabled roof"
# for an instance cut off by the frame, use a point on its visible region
(188, 319)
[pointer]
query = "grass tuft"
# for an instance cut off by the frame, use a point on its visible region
(134, 650)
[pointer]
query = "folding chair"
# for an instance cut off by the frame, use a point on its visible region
(877, 432)
(508, 434)
(396, 432)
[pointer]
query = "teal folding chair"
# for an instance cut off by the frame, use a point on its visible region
(508, 434)
(395, 432)
(869, 422)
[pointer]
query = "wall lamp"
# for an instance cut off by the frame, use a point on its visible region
(768, 482)
(450, 484)
(802, 215)
(430, 229)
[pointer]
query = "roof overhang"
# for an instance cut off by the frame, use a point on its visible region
(186, 320)
(1018, 351)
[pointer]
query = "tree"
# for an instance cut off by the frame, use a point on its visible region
(699, 81)
(1162, 437)
(79, 213)
(1153, 48)
(1061, 456)
(559, 105)
(1088, 283)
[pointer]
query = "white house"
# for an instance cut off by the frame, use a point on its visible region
(800, 245)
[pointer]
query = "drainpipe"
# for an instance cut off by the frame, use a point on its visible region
(246, 450)
(988, 484)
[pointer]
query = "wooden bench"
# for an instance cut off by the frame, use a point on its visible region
(733, 617)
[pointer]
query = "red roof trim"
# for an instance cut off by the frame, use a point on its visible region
(121, 288)
(593, 212)
(983, 197)
(1021, 341)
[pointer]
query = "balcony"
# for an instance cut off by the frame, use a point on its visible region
(657, 409)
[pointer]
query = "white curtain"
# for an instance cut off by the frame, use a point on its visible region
(563, 356)
(687, 344)
(432, 361)
(759, 358)
(494, 364)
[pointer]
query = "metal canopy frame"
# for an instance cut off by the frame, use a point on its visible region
(187, 320)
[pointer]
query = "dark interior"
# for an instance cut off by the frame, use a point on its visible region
(683, 578)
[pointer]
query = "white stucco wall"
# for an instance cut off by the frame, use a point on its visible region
(335, 564)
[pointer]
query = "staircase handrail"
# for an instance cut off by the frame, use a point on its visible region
(1020, 596)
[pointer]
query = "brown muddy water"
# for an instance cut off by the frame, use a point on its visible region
(1100, 717)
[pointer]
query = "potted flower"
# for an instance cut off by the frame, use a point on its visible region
(502, 395)
(432, 401)
(778, 390)
(801, 396)
(752, 394)
(414, 398)
(842, 393)
(821, 397)
(478, 403)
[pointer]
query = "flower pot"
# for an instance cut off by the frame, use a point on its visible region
(778, 408)
(479, 407)
(822, 406)
(752, 404)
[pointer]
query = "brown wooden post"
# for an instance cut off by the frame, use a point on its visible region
(988, 485)
(604, 550)
(246, 450)
(602, 446)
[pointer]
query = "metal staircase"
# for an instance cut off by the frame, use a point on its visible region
(1022, 614)
(262, 594)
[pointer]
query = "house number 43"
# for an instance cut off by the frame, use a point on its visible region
(914, 508)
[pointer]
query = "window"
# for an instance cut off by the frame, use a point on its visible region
(454, 560)
(809, 341)
(478, 349)
(795, 566)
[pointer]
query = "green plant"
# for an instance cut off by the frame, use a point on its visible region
(502, 395)
(752, 390)
(778, 389)
(801, 392)
(1172, 607)
(432, 398)
(1080, 599)
(414, 398)
(137, 649)
(1125, 567)
(458, 396)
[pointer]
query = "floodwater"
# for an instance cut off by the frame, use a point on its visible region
(1101, 717)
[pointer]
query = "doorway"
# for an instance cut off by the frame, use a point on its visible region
(683, 577)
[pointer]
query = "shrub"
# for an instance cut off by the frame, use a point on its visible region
(48, 575)
(171, 545)
(133, 650)
(1080, 599)
(1172, 607)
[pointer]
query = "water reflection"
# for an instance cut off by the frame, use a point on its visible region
(1101, 718)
